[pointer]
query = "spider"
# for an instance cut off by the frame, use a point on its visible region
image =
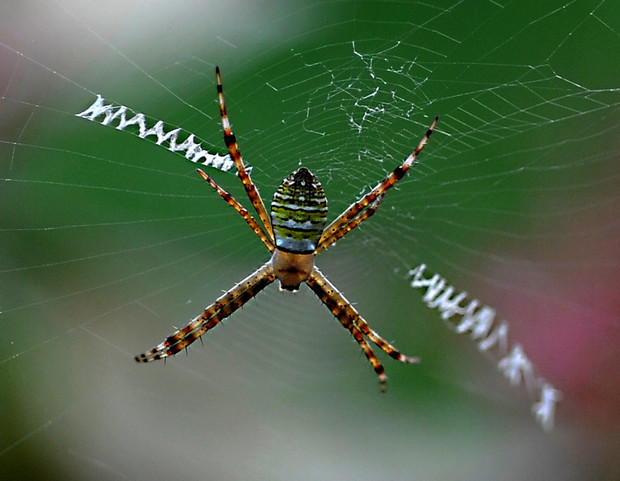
(294, 234)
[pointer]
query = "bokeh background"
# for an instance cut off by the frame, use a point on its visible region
(108, 241)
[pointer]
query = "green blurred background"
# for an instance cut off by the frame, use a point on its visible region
(108, 241)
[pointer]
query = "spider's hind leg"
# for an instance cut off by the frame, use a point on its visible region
(350, 318)
(372, 358)
(383, 344)
(223, 307)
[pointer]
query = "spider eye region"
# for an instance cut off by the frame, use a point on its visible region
(299, 212)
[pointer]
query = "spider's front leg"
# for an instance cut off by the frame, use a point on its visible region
(351, 217)
(231, 143)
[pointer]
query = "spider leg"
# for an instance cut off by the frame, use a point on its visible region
(242, 211)
(231, 142)
(359, 321)
(350, 318)
(357, 220)
(372, 358)
(315, 282)
(223, 307)
(347, 218)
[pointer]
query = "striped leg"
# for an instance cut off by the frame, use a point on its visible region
(357, 220)
(350, 318)
(347, 218)
(242, 211)
(374, 361)
(342, 304)
(216, 312)
(233, 148)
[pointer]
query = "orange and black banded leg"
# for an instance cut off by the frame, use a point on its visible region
(231, 143)
(359, 321)
(398, 173)
(324, 243)
(325, 292)
(382, 343)
(372, 358)
(242, 211)
(214, 314)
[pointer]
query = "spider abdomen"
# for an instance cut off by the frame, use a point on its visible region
(299, 212)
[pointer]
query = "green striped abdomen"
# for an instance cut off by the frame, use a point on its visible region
(299, 212)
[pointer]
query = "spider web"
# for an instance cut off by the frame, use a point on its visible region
(110, 240)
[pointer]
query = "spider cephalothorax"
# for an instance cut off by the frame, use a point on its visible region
(294, 233)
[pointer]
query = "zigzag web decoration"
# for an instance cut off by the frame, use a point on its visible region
(119, 114)
(480, 323)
